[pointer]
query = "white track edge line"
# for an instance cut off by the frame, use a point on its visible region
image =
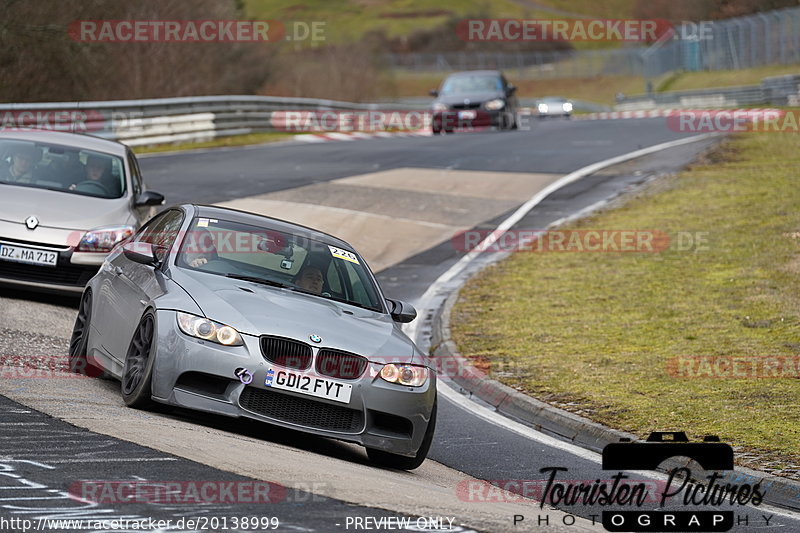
(525, 208)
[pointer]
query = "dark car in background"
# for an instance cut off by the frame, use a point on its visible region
(474, 99)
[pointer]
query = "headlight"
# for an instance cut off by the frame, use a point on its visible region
(410, 375)
(103, 239)
(438, 106)
(494, 105)
(542, 108)
(567, 107)
(203, 328)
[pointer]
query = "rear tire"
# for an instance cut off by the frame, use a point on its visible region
(137, 374)
(401, 462)
(79, 342)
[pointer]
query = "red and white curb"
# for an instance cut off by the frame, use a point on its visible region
(655, 113)
(355, 135)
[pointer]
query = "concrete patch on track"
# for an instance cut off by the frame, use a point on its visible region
(392, 215)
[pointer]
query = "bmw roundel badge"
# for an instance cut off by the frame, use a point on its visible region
(315, 338)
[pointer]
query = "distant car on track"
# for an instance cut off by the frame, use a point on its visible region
(65, 201)
(553, 106)
(248, 316)
(477, 98)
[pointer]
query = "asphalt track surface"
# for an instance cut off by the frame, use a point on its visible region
(464, 442)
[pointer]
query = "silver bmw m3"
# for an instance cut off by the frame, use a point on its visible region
(65, 201)
(247, 316)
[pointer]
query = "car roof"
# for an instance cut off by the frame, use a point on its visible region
(243, 217)
(76, 140)
(474, 72)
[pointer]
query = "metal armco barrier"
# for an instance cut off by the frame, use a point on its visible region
(777, 90)
(169, 120)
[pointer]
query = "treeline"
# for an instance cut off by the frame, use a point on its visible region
(40, 62)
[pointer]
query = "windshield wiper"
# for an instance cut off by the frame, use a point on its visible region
(262, 281)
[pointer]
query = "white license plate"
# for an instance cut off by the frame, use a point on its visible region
(33, 256)
(467, 115)
(308, 385)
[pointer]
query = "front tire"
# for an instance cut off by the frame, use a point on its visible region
(137, 374)
(401, 462)
(79, 342)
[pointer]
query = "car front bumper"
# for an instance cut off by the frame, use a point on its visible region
(201, 375)
(461, 119)
(70, 274)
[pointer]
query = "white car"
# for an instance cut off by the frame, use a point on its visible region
(65, 201)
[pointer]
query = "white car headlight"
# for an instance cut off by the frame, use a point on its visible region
(567, 107)
(409, 375)
(102, 240)
(203, 328)
(542, 108)
(438, 106)
(494, 105)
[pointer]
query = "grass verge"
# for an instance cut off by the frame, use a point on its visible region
(234, 140)
(594, 332)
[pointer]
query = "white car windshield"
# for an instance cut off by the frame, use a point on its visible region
(61, 168)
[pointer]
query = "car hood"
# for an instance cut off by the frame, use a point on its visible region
(283, 313)
(454, 99)
(61, 210)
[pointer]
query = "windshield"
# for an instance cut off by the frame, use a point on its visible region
(471, 84)
(269, 257)
(61, 168)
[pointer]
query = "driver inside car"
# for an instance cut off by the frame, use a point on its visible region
(97, 171)
(310, 279)
(20, 168)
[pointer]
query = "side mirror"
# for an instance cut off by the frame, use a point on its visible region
(140, 252)
(434, 93)
(149, 198)
(511, 90)
(401, 311)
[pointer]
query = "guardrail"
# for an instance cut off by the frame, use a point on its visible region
(776, 90)
(192, 119)
(169, 120)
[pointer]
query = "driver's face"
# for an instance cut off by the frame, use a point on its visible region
(311, 280)
(94, 171)
(22, 163)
